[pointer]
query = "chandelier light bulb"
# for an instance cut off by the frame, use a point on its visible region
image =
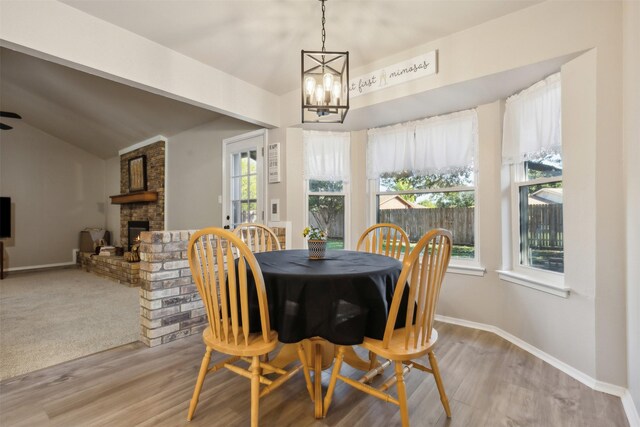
(337, 90)
(319, 94)
(309, 85)
(327, 80)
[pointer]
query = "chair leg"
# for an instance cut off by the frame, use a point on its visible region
(402, 394)
(318, 411)
(436, 374)
(305, 368)
(372, 360)
(203, 373)
(334, 378)
(255, 390)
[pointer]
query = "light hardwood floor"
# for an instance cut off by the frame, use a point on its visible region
(489, 381)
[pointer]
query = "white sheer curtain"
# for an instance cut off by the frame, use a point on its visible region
(390, 149)
(532, 122)
(326, 155)
(433, 145)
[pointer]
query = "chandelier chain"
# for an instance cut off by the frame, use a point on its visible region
(324, 33)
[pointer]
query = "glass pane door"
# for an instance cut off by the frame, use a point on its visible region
(243, 180)
(244, 191)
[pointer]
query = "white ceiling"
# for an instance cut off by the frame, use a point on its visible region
(259, 41)
(95, 114)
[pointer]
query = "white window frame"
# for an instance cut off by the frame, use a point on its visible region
(513, 271)
(456, 265)
(346, 192)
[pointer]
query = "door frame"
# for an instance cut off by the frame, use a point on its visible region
(225, 177)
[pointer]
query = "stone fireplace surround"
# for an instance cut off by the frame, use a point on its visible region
(144, 211)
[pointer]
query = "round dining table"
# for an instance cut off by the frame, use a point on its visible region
(341, 298)
(336, 300)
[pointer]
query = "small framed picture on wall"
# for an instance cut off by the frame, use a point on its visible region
(138, 174)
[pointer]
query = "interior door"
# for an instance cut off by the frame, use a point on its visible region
(243, 183)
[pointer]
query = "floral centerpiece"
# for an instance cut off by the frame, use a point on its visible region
(317, 240)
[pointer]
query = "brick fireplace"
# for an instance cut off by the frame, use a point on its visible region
(152, 211)
(141, 209)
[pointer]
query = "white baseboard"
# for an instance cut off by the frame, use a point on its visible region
(38, 267)
(623, 393)
(74, 260)
(630, 409)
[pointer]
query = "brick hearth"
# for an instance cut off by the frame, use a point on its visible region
(112, 267)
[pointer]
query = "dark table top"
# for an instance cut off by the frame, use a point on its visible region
(341, 298)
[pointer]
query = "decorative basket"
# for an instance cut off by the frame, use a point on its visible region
(317, 249)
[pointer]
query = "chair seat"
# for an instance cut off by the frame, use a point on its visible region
(256, 347)
(396, 349)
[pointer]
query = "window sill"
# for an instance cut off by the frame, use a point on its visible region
(469, 270)
(537, 284)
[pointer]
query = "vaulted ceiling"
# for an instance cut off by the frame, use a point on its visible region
(90, 112)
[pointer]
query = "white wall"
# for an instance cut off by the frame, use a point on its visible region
(359, 187)
(278, 190)
(194, 174)
(295, 187)
(631, 105)
(56, 191)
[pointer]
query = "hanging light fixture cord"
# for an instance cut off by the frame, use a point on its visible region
(324, 33)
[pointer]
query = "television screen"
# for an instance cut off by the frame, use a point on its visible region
(5, 216)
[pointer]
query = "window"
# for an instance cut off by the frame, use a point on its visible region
(538, 188)
(532, 150)
(423, 177)
(244, 178)
(419, 203)
(326, 173)
(326, 210)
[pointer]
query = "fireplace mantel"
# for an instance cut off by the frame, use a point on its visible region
(139, 197)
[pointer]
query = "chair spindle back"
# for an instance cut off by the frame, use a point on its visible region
(385, 239)
(423, 271)
(258, 237)
(212, 254)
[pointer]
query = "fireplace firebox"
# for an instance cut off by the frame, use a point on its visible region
(134, 228)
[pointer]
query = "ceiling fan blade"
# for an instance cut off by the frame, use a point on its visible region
(10, 115)
(5, 127)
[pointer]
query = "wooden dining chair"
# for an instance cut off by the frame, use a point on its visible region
(423, 270)
(213, 255)
(385, 239)
(258, 237)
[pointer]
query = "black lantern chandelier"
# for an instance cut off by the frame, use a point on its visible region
(325, 84)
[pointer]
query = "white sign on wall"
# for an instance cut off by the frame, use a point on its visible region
(402, 72)
(274, 162)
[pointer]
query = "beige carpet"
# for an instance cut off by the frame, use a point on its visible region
(53, 316)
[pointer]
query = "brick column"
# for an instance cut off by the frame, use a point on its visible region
(170, 306)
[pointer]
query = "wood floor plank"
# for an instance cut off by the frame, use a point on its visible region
(489, 381)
